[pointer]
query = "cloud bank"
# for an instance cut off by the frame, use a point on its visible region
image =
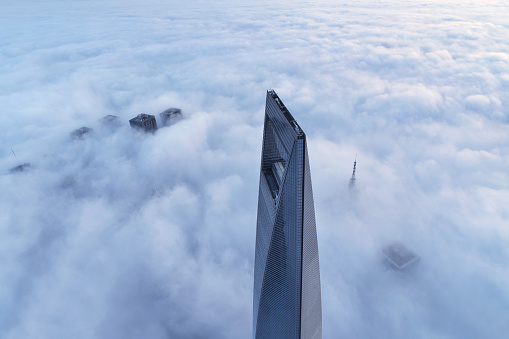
(123, 235)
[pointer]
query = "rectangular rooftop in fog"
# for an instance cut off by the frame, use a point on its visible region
(81, 132)
(170, 116)
(20, 168)
(399, 255)
(111, 121)
(144, 122)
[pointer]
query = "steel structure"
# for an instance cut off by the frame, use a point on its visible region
(352, 179)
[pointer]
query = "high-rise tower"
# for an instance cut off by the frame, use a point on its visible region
(287, 298)
(144, 122)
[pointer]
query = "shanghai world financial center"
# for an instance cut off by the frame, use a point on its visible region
(287, 296)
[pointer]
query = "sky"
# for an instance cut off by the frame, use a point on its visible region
(125, 235)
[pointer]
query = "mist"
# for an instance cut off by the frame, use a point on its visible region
(126, 235)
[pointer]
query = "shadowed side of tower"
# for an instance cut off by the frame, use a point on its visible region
(287, 296)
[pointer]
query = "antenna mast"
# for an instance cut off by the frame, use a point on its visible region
(352, 179)
(15, 157)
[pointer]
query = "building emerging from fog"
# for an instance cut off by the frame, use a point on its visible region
(171, 116)
(112, 122)
(20, 168)
(400, 256)
(81, 133)
(144, 122)
(287, 297)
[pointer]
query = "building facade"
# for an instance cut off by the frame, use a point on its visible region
(287, 294)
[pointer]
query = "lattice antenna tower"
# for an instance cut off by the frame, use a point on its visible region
(15, 157)
(352, 179)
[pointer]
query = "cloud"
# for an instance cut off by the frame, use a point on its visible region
(129, 235)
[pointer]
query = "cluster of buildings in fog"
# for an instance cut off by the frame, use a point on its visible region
(142, 123)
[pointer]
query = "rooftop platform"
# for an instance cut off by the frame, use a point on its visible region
(286, 112)
(20, 168)
(399, 255)
(170, 116)
(111, 121)
(144, 122)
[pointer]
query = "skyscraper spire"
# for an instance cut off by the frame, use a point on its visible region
(352, 179)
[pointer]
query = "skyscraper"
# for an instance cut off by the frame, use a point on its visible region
(287, 297)
(171, 116)
(144, 122)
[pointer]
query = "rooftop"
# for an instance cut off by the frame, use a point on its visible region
(20, 168)
(111, 121)
(142, 117)
(172, 110)
(286, 113)
(170, 116)
(144, 122)
(399, 255)
(80, 132)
